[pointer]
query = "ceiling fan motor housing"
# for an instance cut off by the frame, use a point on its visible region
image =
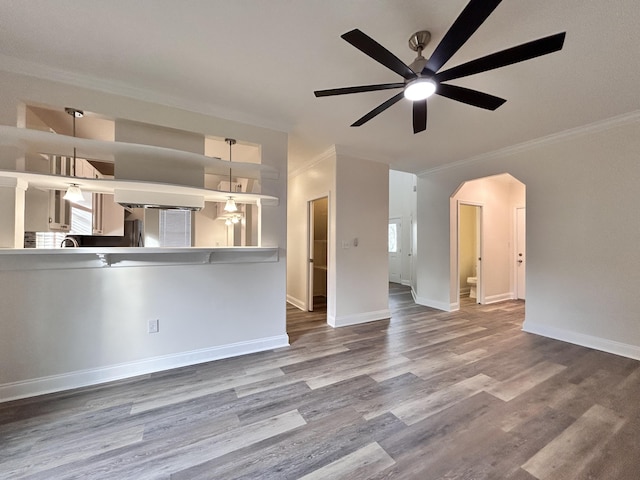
(419, 40)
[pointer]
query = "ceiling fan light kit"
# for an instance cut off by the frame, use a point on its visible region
(419, 89)
(423, 77)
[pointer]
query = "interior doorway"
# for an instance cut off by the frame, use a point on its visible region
(395, 250)
(470, 251)
(318, 253)
(500, 274)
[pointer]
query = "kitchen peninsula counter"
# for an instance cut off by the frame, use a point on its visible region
(98, 257)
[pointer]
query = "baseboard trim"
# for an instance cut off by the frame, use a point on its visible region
(584, 340)
(296, 302)
(357, 318)
(84, 378)
(427, 302)
(498, 298)
(406, 283)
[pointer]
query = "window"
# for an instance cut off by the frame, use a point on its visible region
(175, 228)
(393, 238)
(81, 221)
(49, 239)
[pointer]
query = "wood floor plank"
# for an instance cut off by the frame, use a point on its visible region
(298, 453)
(413, 411)
(42, 459)
(525, 380)
(359, 465)
(583, 439)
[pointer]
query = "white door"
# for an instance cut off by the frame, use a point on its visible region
(310, 274)
(479, 241)
(395, 250)
(470, 249)
(520, 252)
(318, 252)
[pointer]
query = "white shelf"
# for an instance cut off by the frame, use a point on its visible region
(108, 186)
(99, 257)
(36, 141)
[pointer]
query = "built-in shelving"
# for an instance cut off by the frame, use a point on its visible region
(40, 142)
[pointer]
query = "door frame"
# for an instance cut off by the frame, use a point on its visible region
(479, 248)
(310, 235)
(515, 250)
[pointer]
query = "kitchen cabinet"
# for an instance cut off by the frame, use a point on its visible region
(108, 216)
(47, 210)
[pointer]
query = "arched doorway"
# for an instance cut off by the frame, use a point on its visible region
(488, 256)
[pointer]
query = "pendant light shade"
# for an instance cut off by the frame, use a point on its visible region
(74, 194)
(230, 206)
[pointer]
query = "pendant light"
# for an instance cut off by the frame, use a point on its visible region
(74, 194)
(230, 206)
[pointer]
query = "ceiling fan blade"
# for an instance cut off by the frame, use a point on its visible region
(369, 46)
(512, 55)
(419, 115)
(470, 97)
(361, 88)
(474, 15)
(379, 109)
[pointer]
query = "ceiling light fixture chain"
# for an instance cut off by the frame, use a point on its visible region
(74, 194)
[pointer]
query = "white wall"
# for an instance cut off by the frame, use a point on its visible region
(402, 204)
(583, 265)
(362, 270)
(64, 328)
(208, 229)
(65, 323)
(357, 278)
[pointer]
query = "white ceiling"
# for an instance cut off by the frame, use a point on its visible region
(259, 61)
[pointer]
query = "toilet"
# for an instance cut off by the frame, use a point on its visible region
(472, 282)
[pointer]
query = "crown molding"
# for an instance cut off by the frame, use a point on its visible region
(589, 129)
(44, 72)
(328, 153)
(361, 155)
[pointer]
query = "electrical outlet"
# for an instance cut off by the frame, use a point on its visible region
(153, 326)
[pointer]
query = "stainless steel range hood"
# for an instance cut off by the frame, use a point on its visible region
(161, 200)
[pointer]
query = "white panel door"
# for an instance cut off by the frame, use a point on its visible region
(520, 252)
(395, 250)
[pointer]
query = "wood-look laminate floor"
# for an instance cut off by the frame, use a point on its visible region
(425, 395)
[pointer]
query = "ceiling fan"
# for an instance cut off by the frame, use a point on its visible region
(422, 78)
